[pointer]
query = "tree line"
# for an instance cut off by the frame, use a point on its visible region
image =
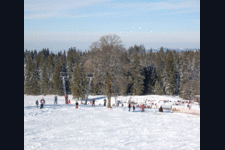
(116, 70)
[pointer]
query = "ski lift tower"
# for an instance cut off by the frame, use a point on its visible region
(64, 75)
(90, 76)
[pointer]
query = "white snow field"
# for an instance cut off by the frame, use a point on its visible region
(62, 127)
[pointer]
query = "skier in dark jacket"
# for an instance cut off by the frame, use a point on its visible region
(129, 106)
(133, 108)
(37, 103)
(104, 102)
(160, 109)
(42, 101)
(93, 103)
(55, 98)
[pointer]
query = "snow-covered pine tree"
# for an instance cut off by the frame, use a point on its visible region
(137, 75)
(158, 90)
(170, 70)
(84, 83)
(77, 88)
(57, 81)
(35, 88)
(28, 75)
(71, 59)
(159, 73)
(50, 70)
(44, 78)
(63, 68)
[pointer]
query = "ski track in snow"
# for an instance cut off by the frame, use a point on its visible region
(62, 127)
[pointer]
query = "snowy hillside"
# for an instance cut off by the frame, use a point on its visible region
(62, 127)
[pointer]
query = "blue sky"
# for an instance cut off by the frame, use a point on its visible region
(61, 24)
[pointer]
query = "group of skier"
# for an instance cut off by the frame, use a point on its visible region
(42, 101)
(67, 100)
(129, 106)
(142, 106)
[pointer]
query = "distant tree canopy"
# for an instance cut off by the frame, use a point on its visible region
(116, 70)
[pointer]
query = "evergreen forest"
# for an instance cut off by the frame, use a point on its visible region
(116, 70)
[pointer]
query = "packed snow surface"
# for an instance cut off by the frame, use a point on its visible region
(62, 127)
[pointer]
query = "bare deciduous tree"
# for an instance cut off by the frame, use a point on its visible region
(106, 63)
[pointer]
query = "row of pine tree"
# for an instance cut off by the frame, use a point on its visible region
(144, 72)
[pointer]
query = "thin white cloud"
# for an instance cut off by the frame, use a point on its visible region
(90, 15)
(34, 9)
(183, 12)
(170, 4)
(197, 21)
(55, 14)
(57, 5)
(61, 36)
(42, 15)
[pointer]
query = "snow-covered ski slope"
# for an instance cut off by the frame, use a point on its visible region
(62, 127)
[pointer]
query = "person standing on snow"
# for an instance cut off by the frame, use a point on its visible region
(104, 102)
(118, 103)
(160, 109)
(42, 103)
(69, 102)
(129, 106)
(37, 103)
(133, 108)
(76, 104)
(55, 98)
(93, 102)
